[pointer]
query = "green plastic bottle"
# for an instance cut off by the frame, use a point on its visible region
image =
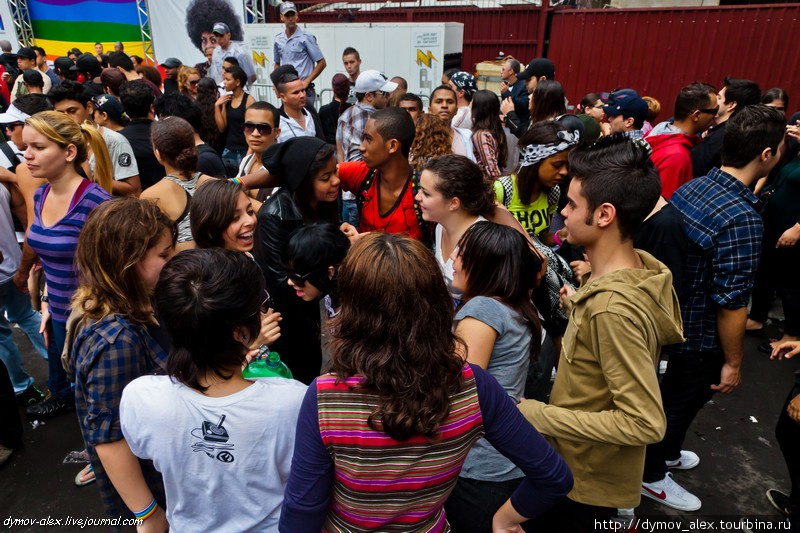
(267, 366)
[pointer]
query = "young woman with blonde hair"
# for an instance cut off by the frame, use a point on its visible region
(57, 147)
(188, 78)
(116, 338)
(102, 172)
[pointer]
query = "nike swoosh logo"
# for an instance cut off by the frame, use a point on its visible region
(660, 495)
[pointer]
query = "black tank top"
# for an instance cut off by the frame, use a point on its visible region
(235, 115)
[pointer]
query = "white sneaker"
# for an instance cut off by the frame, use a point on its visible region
(687, 461)
(671, 494)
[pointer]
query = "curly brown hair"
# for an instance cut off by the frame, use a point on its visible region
(401, 342)
(109, 281)
(433, 138)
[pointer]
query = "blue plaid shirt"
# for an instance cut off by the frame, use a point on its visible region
(106, 356)
(724, 232)
(350, 130)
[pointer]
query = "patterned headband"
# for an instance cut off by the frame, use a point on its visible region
(535, 153)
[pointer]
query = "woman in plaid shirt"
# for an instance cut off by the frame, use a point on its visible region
(117, 338)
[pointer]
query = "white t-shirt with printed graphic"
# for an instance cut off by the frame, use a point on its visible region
(225, 461)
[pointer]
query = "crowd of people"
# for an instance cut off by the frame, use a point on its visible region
(424, 273)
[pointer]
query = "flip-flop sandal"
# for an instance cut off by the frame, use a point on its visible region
(87, 471)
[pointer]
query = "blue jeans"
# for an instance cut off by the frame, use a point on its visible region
(16, 307)
(350, 212)
(57, 381)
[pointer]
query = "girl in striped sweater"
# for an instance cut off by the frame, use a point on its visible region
(57, 147)
(381, 439)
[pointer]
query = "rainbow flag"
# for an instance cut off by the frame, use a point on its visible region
(59, 25)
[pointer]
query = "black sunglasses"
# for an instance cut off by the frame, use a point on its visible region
(13, 125)
(194, 82)
(300, 280)
(249, 127)
(711, 111)
(266, 305)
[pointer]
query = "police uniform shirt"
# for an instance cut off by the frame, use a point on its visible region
(300, 50)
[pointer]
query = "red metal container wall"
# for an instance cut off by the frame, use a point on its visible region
(487, 32)
(657, 51)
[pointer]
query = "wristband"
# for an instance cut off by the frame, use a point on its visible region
(147, 512)
(238, 181)
(557, 239)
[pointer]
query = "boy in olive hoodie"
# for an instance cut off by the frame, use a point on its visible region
(605, 405)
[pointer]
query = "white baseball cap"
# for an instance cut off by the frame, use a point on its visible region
(287, 7)
(370, 81)
(13, 115)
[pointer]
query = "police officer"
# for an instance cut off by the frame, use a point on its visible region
(300, 49)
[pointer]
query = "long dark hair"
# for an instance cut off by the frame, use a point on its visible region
(499, 262)
(548, 101)
(776, 93)
(545, 132)
(325, 211)
(395, 330)
(486, 116)
(588, 101)
(202, 296)
(207, 95)
(213, 210)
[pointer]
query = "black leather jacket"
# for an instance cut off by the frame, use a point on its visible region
(277, 219)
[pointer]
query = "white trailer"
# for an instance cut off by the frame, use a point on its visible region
(415, 52)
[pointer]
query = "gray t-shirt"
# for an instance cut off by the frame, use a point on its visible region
(509, 366)
(8, 239)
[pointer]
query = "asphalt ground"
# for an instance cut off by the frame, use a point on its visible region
(733, 435)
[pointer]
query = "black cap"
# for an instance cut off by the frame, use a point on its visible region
(276, 74)
(110, 104)
(220, 28)
(172, 62)
(26, 53)
(88, 63)
(63, 64)
(33, 77)
(537, 68)
(291, 159)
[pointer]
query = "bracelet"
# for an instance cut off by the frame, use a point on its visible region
(147, 512)
(557, 239)
(238, 181)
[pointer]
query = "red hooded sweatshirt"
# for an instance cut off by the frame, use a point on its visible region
(672, 156)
